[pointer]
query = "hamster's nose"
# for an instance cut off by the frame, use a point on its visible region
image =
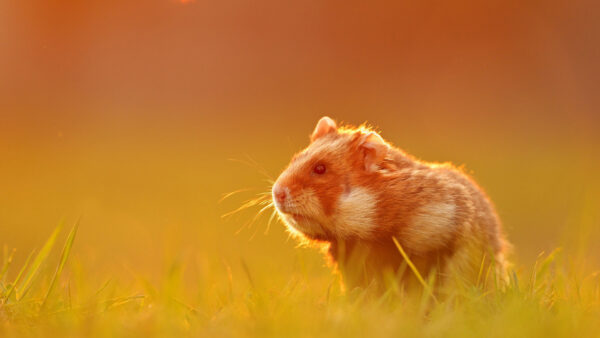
(279, 194)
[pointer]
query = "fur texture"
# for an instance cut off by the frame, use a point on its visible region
(370, 192)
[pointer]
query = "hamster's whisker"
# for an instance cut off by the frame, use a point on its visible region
(266, 193)
(237, 232)
(253, 164)
(229, 194)
(260, 200)
(253, 235)
(259, 167)
(265, 202)
(261, 211)
(255, 218)
(248, 225)
(273, 214)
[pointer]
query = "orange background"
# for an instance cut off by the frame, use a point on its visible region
(126, 113)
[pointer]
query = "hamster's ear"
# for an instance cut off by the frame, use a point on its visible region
(325, 126)
(374, 150)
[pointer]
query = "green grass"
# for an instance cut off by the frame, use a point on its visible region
(551, 298)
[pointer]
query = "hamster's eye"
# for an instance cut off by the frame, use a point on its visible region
(319, 169)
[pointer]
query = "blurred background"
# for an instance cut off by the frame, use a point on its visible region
(137, 115)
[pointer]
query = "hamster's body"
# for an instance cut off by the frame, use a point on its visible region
(354, 193)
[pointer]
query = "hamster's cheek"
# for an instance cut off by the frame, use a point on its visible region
(307, 203)
(302, 225)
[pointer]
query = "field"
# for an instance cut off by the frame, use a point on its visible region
(199, 273)
(130, 130)
(549, 301)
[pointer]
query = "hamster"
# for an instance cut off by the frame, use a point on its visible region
(353, 193)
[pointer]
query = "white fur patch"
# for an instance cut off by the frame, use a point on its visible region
(356, 213)
(431, 227)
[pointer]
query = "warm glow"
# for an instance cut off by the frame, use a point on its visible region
(126, 114)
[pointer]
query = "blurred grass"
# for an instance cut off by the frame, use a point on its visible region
(551, 299)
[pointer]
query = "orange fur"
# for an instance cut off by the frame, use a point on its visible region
(440, 216)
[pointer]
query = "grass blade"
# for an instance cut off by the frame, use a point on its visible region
(37, 263)
(63, 259)
(7, 263)
(414, 270)
(481, 266)
(548, 261)
(12, 286)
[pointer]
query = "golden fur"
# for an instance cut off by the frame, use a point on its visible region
(372, 192)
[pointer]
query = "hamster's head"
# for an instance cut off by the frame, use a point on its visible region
(323, 194)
